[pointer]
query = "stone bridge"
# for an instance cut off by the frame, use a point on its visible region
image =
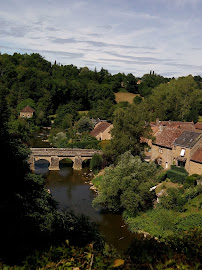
(54, 155)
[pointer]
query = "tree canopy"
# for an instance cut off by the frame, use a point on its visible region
(126, 186)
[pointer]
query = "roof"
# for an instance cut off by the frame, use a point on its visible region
(198, 125)
(175, 124)
(28, 109)
(188, 139)
(167, 136)
(100, 128)
(197, 156)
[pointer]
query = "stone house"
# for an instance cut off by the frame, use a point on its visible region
(164, 134)
(27, 112)
(102, 131)
(196, 162)
(186, 151)
(161, 151)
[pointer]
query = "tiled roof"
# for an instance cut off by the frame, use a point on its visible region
(197, 156)
(188, 139)
(28, 109)
(167, 136)
(175, 124)
(198, 125)
(100, 128)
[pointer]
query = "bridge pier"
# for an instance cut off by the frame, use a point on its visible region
(54, 164)
(77, 163)
(31, 163)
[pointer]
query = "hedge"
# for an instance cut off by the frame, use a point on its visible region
(179, 169)
(161, 177)
(176, 176)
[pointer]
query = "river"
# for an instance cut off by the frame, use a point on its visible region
(71, 189)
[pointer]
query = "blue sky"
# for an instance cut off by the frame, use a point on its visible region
(130, 36)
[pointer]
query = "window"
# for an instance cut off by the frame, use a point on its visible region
(182, 152)
(160, 150)
(166, 165)
(159, 161)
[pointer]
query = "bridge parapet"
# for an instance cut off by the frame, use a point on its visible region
(54, 155)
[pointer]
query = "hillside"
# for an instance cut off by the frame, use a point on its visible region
(125, 97)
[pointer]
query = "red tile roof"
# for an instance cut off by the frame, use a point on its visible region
(100, 128)
(175, 124)
(167, 136)
(28, 109)
(198, 125)
(197, 156)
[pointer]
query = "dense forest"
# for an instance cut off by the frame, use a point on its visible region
(34, 233)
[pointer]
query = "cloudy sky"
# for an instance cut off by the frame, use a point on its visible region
(131, 36)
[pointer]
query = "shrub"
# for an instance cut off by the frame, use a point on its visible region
(179, 169)
(161, 177)
(96, 163)
(176, 176)
(190, 181)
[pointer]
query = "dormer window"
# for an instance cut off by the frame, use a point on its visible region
(182, 152)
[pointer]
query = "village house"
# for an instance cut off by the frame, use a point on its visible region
(163, 135)
(161, 151)
(102, 131)
(186, 152)
(27, 112)
(178, 143)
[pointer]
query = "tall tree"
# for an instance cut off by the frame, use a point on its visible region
(129, 126)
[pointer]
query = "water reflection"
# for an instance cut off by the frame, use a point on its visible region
(71, 189)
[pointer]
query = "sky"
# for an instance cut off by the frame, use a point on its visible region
(130, 36)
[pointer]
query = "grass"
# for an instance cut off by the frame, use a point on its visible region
(164, 185)
(125, 97)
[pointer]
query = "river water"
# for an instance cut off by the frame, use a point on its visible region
(72, 190)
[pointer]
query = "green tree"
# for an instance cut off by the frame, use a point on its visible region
(129, 126)
(84, 124)
(177, 101)
(126, 186)
(96, 163)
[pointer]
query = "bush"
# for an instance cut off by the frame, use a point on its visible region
(161, 177)
(190, 181)
(179, 169)
(176, 176)
(96, 163)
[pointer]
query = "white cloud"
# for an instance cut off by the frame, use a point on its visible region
(118, 35)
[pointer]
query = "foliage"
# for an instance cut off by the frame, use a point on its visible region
(84, 124)
(128, 129)
(97, 181)
(174, 200)
(96, 163)
(176, 176)
(149, 82)
(177, 101)
(161, 177)
(126, 187)
(30, 102)
(137, 100)
(190, 181)
(179, 169)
